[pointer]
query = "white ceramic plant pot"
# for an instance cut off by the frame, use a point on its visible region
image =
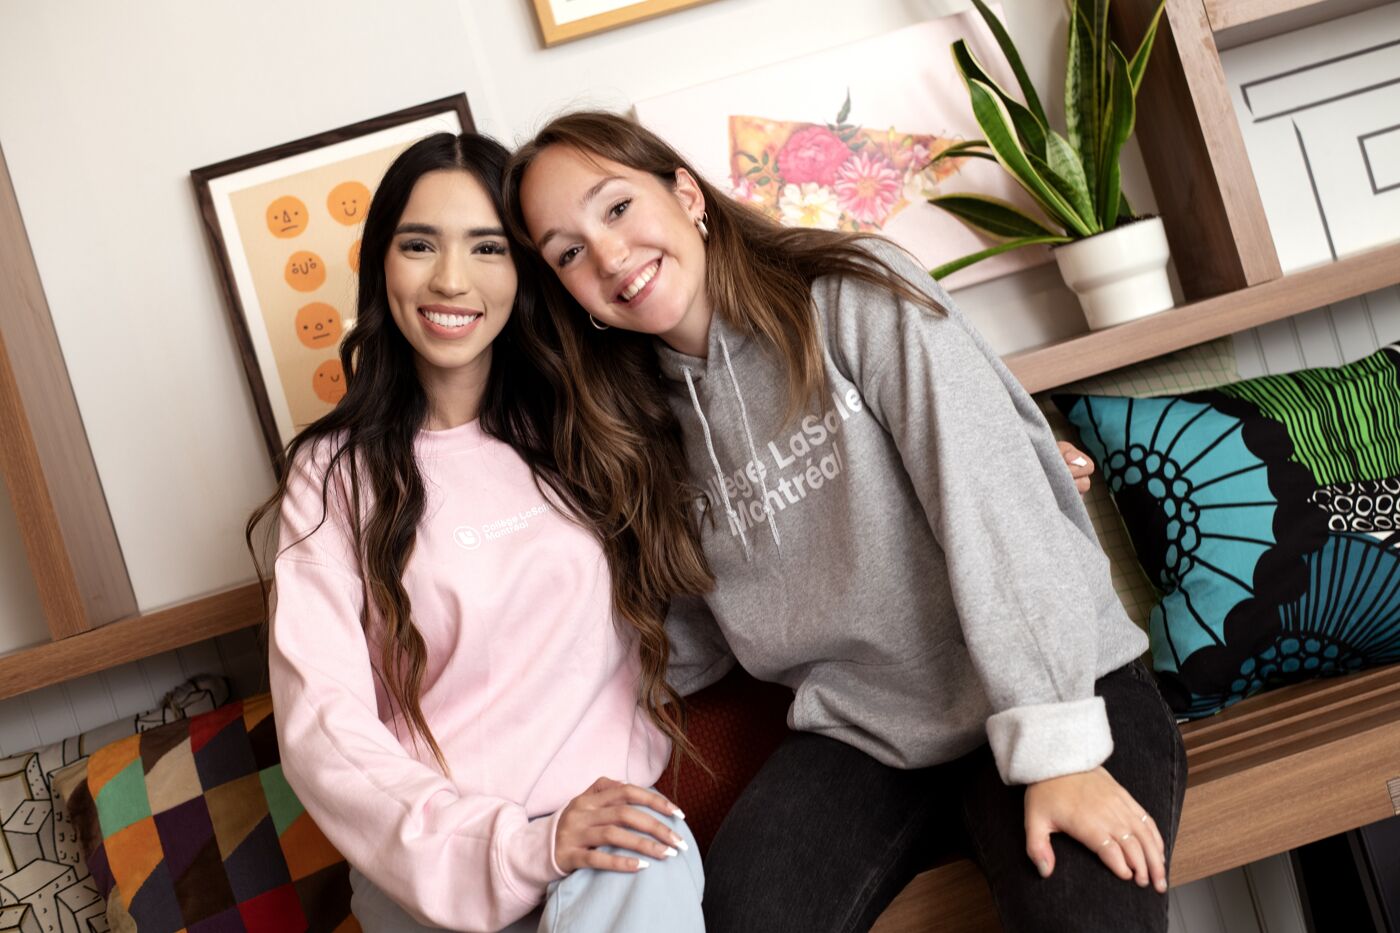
(1120, 275)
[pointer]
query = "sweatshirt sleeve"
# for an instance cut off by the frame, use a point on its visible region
(455, 860)
(700, 655)
(1020, 551)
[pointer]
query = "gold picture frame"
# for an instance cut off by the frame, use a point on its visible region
(565, 20)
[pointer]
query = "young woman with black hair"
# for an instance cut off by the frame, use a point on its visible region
(462, 627)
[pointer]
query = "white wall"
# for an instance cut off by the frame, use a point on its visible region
(104, 111)
(105, 108)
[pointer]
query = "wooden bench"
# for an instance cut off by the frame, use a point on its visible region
(1271, 773)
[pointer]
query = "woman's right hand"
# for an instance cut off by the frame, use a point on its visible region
(606, 815)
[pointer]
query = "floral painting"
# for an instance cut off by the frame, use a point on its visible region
(843, 140)
(836, 176)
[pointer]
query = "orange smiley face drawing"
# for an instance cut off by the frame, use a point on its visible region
(348, 202)
(305, 271)
(287, 217)
(354, 257)
(328, 382)
(318, 325)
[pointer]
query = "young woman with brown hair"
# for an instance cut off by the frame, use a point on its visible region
(462, 628)
(892, 534)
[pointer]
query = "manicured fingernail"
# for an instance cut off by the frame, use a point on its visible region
(1161, 887)
(677, 812)
(642, 863)
(682, 844)
(1079, 461)
(1044, 867)
(669, 853)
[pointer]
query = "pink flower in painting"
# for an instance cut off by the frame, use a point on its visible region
(812, 155)
(867, 187)
(746, 192)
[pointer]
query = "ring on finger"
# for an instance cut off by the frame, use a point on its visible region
(1145, 818)
(1125, 837)
(1105, 842)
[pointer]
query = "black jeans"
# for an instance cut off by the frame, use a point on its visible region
(825, 836)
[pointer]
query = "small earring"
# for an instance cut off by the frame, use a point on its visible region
(595, 323)
(702, 226)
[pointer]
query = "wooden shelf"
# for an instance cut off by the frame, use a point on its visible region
(1226, 14)
(130, 640)
(1098, 352)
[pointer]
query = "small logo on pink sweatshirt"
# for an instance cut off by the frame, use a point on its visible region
(466, 537)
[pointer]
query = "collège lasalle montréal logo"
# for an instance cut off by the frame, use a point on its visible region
(470, 538)
(804, 463)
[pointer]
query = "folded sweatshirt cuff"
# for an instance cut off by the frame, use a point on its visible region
(1048, 740)
(529, 857)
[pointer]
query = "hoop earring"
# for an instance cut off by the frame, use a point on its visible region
(592, 321)
(700, 224)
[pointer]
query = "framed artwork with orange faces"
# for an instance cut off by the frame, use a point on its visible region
(562, 20)
(284, 226)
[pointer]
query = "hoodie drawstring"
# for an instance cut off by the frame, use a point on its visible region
(748, 436)
(714, 460)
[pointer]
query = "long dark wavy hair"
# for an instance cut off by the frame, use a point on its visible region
(370, 433)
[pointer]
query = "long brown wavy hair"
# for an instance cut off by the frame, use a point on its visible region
(628, 501)
(758, 273)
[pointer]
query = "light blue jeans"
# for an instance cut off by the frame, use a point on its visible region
(665, 896)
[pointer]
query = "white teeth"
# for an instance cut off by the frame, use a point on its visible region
(450, 320)
(640, 282)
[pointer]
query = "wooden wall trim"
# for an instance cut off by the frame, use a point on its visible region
(34, 512)
(58, 496)
(1195, 154)
(130, 640)
(1225, 14)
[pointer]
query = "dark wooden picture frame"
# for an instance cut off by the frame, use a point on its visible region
(214, 186)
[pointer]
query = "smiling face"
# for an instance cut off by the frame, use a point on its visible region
(286, 217)
(450, 282)
(305, 271)
(622, 242)
(328, 382)
(348, 202)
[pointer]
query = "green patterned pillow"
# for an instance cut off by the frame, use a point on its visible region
(1267, 515)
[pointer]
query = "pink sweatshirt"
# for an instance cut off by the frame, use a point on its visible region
(530, 690)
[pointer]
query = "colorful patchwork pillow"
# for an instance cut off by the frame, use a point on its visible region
(193, 827)
(1267, 514)
(44, 882)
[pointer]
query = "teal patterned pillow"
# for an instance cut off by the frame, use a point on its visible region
(1267, 514)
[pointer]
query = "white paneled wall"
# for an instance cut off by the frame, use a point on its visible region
(1329, 336)
(54, 713)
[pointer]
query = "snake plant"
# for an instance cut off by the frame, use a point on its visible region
(1074, 177)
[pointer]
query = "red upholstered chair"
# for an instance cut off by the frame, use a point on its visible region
(735, 725)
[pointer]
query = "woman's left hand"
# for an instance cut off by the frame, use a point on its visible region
(1080, 466)
(1092, 807)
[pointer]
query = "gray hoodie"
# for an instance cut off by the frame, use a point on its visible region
(911, 557)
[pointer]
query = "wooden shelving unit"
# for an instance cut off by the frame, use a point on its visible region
(130, 639)
(1101, 351)
(84, 591)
